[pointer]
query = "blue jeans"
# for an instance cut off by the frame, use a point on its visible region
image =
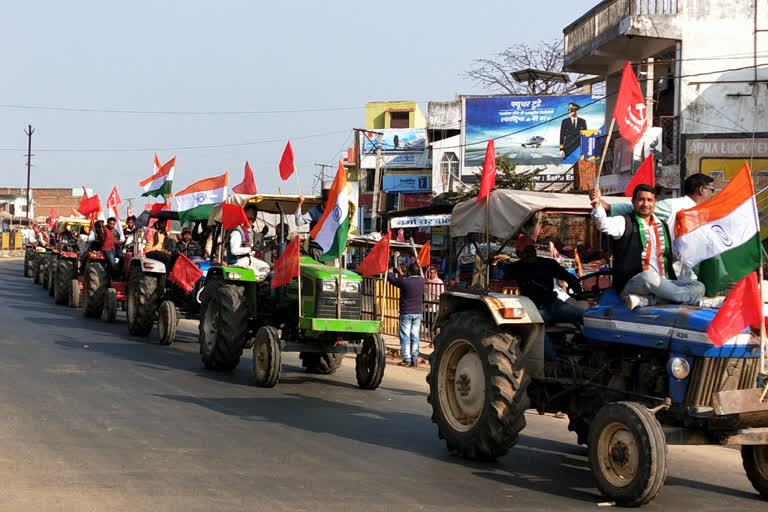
(110, 255)
(560, 312)
(410, 326)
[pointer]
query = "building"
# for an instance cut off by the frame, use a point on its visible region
(61, 200)
(397, 142)
(703, 66)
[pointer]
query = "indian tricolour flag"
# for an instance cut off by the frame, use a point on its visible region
(330, 233)
(159, 184)
(195, 201)
(727, 226)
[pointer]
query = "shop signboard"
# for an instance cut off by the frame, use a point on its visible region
(402, 160)
(530, 129)
(405, 183)
(420, 221)
(395, 140)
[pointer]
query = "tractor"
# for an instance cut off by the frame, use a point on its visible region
(240, 310)
(630, 381)
(151, 296)
(66, 264)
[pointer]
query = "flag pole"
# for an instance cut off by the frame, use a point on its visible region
(296, 173)
(338, 289)
(299, 279)
(488, 241)
(763, 343)
(383, 294)
(605, 150)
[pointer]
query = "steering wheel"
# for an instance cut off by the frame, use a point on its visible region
(592, 294)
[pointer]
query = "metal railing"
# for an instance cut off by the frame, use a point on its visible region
(670, 139)
(609, 14)
(374, 306)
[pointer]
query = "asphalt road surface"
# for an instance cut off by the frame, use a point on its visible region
(94, 419)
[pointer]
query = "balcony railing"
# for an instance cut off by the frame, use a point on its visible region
(608, 14)
(670, 139)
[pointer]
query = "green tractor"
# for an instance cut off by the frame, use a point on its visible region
(240, 311)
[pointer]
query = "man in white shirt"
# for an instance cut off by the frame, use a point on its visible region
(240, 250)
(642, 264)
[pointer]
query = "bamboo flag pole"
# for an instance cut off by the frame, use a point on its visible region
(488, 241)
(296, 173)
(763, 343)
(605, 151)
(338, 290)
(299, 277)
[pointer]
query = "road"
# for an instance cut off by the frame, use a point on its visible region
(94, 419)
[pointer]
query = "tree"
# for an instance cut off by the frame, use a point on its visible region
(506, 178)
(495, 73)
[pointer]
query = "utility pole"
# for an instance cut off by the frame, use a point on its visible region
(29, 133)
(322, 174)
(376, 180)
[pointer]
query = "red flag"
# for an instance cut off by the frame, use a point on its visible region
(287, 265)
(185, 273)
(425, 255)
(114, 199)
(232, 216)
(645, 174)
(377, 260)
(52, 218)
(287, 164)
(488, 178)
(248, 185)
(630, 111)
(158, 207)
(85, 193)
(741, 309)
(128, 211)
(89, 205)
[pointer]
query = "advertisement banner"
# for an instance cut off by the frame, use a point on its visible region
(722, 155)
(396, 140)
(530, 130)
(420, 221)
(406, 183)
(589, 145)
(401, 160)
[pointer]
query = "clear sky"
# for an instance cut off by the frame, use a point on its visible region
(230, 56)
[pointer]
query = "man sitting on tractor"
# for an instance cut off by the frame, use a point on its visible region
(535, 277)
(240, 251)
(110, 240)
(159, 244)
(187, 246)
(642, 255)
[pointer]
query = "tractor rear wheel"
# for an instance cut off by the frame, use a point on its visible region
(755, 460)
(322, 363)
(223, 327)
(29, 257)
(44, 274)
(95, 289)
(110, 305)
(143, 300)
(65, 272)
(266, 357)
(166, 322)
(477, 386)
(627, 453)
(370, 362)
(36, 269)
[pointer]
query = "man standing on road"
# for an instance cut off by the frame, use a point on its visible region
(411, 308)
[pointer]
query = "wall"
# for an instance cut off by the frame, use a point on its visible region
(376, 114)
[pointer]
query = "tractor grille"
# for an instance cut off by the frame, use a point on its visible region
(713, 374)
(351, 306)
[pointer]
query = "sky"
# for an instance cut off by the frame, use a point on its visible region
(214, 68)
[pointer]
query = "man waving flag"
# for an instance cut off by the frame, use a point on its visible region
(331, 230)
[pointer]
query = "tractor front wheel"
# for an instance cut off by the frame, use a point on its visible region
(166, 322)
(755, 460)
(370, 362)
(266, 357)
(142, 303)
(64, 274)
(110, 306)
(627, 453)
(94, 289)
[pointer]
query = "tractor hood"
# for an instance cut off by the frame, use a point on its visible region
(315, 270)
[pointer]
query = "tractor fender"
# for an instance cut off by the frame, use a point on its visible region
(529, 326)
(148, 265)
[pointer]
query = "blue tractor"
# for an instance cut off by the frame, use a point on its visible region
(631, 382)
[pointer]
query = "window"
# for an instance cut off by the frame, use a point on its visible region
(399, 119)
(449, 170)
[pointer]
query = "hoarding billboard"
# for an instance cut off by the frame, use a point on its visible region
(406, 183)
(396, 140)
(530, 129)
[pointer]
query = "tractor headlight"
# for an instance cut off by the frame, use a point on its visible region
(234, 275)
(329, 286)
(678, 367)
(352, 287)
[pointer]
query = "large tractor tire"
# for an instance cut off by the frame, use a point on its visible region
(627, 453)
(167, 321)
(143, 302)
(266, 357)
(36, 269)
(94, 289)
(65, 273)
(370, 362)
(110, 306)
(477, 386)
(44, 267)
(223, 327)
(755, 460)
(321, 363)
(29, 258)
(74, 294)
(52, 277)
